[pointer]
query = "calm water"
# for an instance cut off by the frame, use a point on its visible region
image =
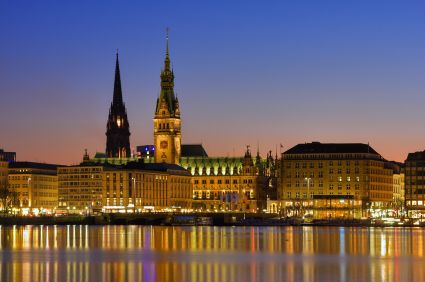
(145, 253)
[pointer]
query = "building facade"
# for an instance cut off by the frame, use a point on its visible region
(166, 121)
(334, 181)
(229, 184)
(80, 188)
(35, 186)
(140, 187)
(415, 184)
(117, 127)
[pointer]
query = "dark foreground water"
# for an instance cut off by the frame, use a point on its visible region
(145, 253)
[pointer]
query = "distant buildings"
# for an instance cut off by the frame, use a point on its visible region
(335, 180)
(319, 180)
(34, 186)
(133, 187)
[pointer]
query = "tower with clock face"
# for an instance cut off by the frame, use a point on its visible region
(167, 122)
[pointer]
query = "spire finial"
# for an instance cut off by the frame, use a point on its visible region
(166, 37)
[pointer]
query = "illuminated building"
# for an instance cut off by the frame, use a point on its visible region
(166, 122)
(138, 187)
(415, 184)
(92, 187)
(398, 187)
(347, 180)
(229, 183)
(80, 187)
(35, 185)
(117, 128)
(7, 156)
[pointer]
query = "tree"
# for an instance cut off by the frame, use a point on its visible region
(4, 198)
(8, 199)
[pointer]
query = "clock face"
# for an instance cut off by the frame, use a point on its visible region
(163, 145)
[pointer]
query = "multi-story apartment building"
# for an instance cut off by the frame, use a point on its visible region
(415, 184)
(334, 180)
(35, 186)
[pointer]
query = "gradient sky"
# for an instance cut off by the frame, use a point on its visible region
(246, 71)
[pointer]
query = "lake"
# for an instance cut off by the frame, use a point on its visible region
(207, 253)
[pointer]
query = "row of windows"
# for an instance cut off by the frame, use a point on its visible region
(331, 179)
(219, 181)
(320, 164)
(223, 196)
(331, 186)
(304, 195)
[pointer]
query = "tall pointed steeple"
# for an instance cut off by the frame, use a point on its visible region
(117, 83)
(167, 97)
(117, 127)
(167, 54)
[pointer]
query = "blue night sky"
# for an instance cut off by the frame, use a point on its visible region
(246, 71)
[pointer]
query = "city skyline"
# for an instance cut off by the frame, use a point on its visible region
(296, 83)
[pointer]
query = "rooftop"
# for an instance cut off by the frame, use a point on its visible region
(193, 150)
(416, 156)
(34, 165)
(331, 148)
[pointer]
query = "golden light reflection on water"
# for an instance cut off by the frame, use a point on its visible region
(146, 253)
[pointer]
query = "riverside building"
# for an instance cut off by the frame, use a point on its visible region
(91, 188)
(415, 184)
(34, 186)
(341, 180)
(229, 184)
(144, 187)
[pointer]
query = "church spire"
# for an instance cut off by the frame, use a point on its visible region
(117, 84)
(117, 126)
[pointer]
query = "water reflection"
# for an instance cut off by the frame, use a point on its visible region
(146, 253)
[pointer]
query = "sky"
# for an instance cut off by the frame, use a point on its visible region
(246, 73)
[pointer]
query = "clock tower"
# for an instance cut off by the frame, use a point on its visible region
(166, 122)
